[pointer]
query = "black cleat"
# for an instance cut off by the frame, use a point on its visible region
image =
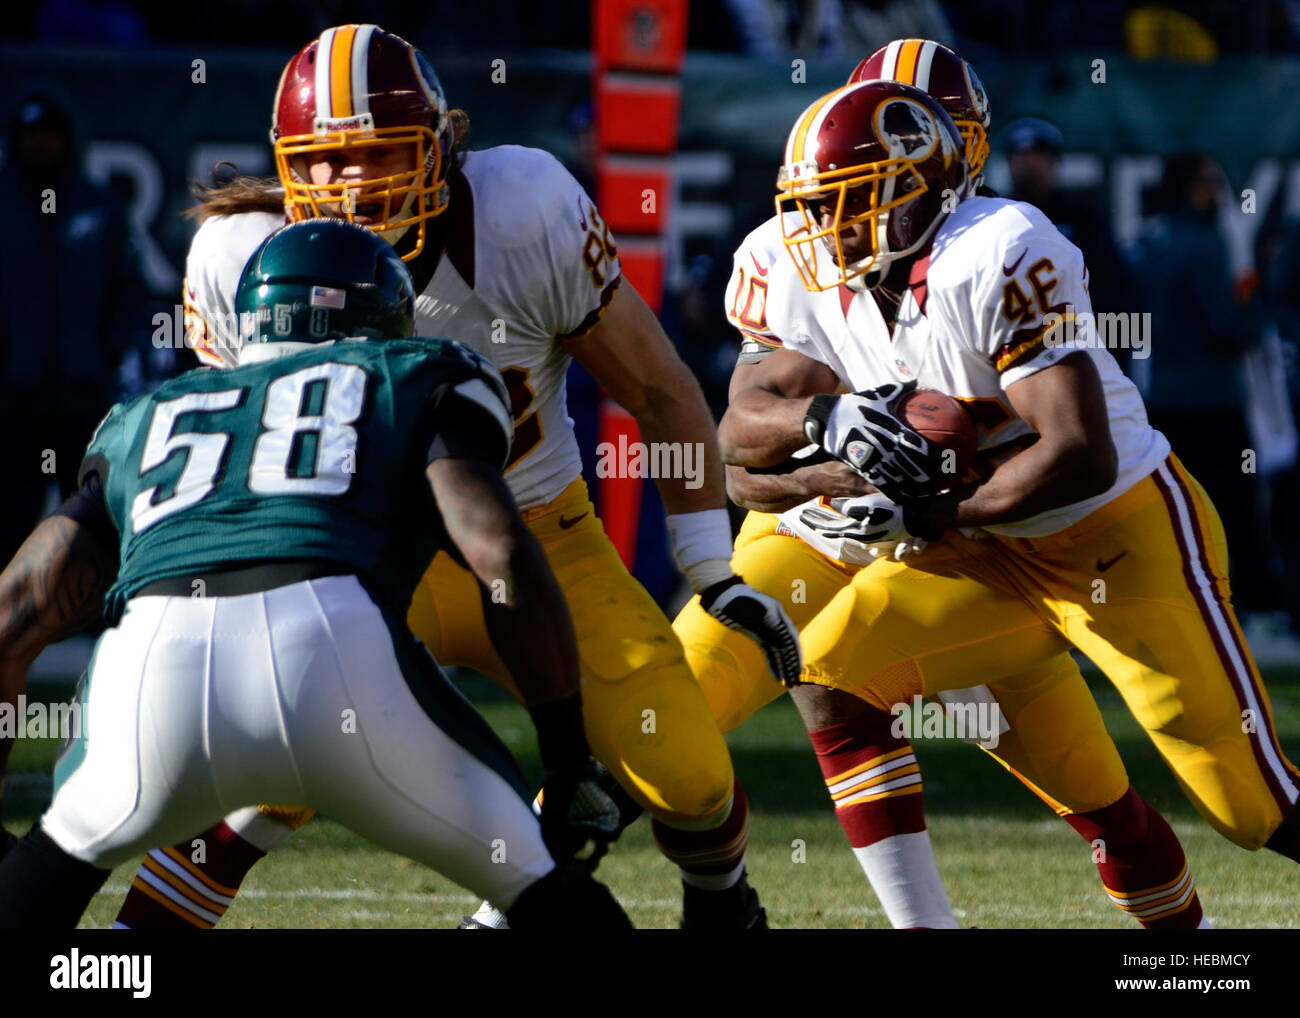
(7, 842)
(736, 908)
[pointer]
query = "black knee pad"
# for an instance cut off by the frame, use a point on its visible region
(567, 899)
(44, 888)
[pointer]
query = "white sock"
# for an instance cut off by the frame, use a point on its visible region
(1204, 924)
(258, 829)
(715, 881)
(906, 879)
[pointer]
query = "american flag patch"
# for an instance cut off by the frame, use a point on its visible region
(327, 297)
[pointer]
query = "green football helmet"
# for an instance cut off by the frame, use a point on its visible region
(323, 280)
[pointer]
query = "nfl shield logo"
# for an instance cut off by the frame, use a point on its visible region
(857, 451)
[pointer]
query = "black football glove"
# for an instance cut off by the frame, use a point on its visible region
(862, 430)
(739, 606)
(579, 819)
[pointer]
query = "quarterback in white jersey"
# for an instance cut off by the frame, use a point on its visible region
(1082, 529)
(510, 257)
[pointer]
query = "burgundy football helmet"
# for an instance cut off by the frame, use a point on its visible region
(359, 87)
(950, 80)
(880, 153)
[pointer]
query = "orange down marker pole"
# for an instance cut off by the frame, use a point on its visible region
(638, 48)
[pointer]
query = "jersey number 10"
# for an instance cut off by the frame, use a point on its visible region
(301, 450)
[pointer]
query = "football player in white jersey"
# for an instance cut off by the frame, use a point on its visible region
(1082, 530)
(1086, 785)
(511, 257)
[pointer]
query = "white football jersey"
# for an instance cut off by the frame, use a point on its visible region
(216, 260)
(747, 289)
(528, 262)
(971, 324)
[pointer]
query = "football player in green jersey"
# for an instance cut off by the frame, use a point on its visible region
(262, 530)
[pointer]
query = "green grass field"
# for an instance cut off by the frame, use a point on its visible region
(1006, 860)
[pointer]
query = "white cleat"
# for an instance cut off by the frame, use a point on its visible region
(486, 918)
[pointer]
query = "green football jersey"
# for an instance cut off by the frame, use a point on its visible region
(318, 456)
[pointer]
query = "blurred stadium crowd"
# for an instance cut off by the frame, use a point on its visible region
(1222, 377)
(1196, 30)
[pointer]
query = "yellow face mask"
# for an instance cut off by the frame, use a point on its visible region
(402, 200)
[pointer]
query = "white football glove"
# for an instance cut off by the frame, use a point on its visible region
(900, 551)
(863, 430)
(871, 520)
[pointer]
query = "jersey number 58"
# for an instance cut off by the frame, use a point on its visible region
(307, 445)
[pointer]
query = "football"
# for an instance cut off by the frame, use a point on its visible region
(944, 422)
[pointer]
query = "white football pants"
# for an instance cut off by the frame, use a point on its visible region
(305, 694)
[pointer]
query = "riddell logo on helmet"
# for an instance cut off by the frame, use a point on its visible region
(329, 125)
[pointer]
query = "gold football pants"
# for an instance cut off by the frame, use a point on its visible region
(646, 718)
(1140, 586)
(1057, 744)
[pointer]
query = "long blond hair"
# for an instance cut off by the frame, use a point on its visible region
(242, 193)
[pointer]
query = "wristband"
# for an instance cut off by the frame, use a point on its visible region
(917, 523)
(702, 546)
(561, 739)
(818, 416)
(712, 593)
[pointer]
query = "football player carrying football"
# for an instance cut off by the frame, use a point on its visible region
(511, 257)
(271, 523)
(1075, 769)
(1084, 530)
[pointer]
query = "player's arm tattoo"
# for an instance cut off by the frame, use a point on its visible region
(54, 586)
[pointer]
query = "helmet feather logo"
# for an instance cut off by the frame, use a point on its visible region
(906, 129)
